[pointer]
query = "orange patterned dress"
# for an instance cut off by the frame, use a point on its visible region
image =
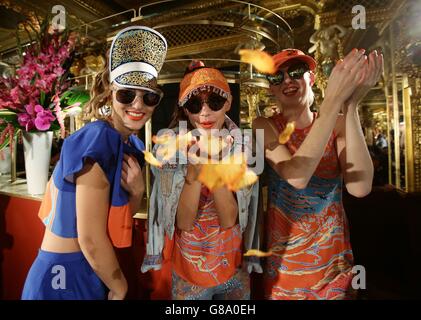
(207, 256)
(308, 231)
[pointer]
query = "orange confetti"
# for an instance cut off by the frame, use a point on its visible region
(286, 133)
(149, 158)
(170, 143)
(231, 171)
(163, 139)
(234, 176)
(247, 179)
(261, 60)
(166, 152)
(258, 253)
(208, 177)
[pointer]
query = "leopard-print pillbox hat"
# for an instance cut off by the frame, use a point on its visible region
(136, 56)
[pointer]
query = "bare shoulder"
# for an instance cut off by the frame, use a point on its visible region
(92, 175)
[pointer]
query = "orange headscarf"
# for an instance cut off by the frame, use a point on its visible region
(200, 78)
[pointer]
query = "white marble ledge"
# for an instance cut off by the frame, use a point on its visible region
(17, 188)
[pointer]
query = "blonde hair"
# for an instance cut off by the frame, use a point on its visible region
(100, 94)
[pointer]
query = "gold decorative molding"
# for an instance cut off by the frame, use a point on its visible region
(381, 15)
(205, 46)
(410, 86)
(32, 17)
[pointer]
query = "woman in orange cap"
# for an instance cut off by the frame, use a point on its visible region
(208, 227)
(307, 229)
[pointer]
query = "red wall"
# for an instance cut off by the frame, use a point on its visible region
(20, 237)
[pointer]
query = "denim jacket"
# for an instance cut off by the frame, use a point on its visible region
(166, 190)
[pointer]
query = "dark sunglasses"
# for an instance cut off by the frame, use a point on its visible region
(214, 101)
(295, 71)
(128, 96)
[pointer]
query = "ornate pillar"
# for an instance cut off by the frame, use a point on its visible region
(408, 52)
(415, 101)
(395, 107)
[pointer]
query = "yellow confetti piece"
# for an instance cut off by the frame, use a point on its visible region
(286, 133)
(149, 158)
(257, 253)
(247, 179)
(166, 152)
(231, 171)
(208, 177)
(261, 60)
(163, 139)
(232, 174)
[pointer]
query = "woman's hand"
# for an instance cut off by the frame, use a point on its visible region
(193, 171)
(121, 294)
(131, 176)
(372, 73)
(345, 77)
(208, 147)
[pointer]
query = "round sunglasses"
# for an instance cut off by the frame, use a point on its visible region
(295, 71)
(128, 96)
(214, 101)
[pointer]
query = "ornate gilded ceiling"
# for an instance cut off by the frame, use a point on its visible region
(209, 28)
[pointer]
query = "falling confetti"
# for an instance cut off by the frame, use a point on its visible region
(170, 143)
(247, 179)
(233, 175)
(261, 60)
(231, 172)
(149, 158)
(163, 139)
(208, 177)
(286, 133)
(258, 253)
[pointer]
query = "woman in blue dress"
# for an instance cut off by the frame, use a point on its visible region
(97, 184)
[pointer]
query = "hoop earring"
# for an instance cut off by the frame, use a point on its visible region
(105, 111)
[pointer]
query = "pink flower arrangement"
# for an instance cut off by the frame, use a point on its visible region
(36, 117)
(33, 94)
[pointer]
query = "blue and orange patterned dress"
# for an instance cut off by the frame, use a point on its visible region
(209, 257)
(308, 231)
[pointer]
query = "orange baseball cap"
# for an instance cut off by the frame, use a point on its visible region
(201, 78)
(288, 54)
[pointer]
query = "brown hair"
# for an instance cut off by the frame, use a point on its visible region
(100, 93)
(177, 116)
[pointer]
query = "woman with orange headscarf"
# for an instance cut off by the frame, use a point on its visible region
(207, 225)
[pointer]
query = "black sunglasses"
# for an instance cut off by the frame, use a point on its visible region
(295, 71)
(128, 96)
(214, 101)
